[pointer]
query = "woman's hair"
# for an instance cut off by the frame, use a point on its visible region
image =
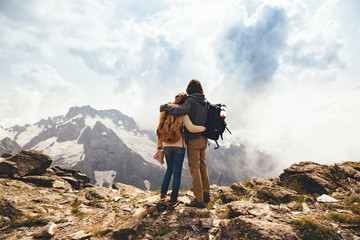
(180, 98)
(194, 86)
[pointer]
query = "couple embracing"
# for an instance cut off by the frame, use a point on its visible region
(191, 111)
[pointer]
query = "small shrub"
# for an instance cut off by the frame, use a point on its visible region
(248, 184)
(311, 230)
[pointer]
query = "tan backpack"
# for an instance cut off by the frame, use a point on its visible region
(170, 129)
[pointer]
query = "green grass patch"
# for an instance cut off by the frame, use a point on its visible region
(95, 203)
(202, 213)
(224, 213)
(353, 203)
(248, 184)
(311, 230)
(355, 165)
(211, 204)
(25, 221)
(102, 232)
(345, 218)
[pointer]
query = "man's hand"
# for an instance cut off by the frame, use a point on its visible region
(162, 106)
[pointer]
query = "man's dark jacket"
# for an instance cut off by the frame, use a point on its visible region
(195, 106)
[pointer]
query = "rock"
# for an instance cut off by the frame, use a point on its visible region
(205, 223)
(7, 155)
(7, 209)
(275, 194)
(94, 194)
(41, 181)
(244, 228)
(306, 208)
(48, 219)
(127, 228)
(4, 221)
(239, 188)
(226, 195)
(7, 168)
(29, 163)
(308, 177)
(326, 199)
(47, 231)
(76, 179)
(79, 235)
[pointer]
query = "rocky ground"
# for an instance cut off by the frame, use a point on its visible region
(307, 201)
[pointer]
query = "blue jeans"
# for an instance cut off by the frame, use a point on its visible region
(174, 160)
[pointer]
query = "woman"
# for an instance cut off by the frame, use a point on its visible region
(174, 154)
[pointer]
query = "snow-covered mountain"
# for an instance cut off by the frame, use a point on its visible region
(109, 146)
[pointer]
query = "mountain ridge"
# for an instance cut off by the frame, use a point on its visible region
(307, 201)
(62, 137)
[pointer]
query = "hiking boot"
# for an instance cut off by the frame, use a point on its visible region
(196, 204)
(206, 197)
(174, 203)
(162, 197)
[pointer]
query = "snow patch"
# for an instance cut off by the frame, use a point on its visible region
(103, 133)
(91, 121)
(147, 184)
(139, 143)
(104, 178)
(70, 152)
(26, 136)
(6, 133)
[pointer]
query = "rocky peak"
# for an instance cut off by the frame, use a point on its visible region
(117, 117)
(280, 208)
(9, 146)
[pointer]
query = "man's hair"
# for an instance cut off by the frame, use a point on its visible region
(194, 86)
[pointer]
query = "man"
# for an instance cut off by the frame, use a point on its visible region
(196, 107)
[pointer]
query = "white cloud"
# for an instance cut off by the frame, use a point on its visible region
(286, 69)
(38, 92)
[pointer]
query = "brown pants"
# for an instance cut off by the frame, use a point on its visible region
(196, 152)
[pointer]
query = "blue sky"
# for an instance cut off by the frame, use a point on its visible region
(287, 70)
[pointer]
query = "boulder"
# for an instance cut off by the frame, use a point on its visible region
(7, 155)
(29, 163)
(41, 181)
(309, 177)
(46, 232)
(7, 168)
(77, 179)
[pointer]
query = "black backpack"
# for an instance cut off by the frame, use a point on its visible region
(215, 124)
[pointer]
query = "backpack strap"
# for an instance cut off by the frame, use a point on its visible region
(217, 145)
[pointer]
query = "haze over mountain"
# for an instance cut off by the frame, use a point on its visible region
(109, 147)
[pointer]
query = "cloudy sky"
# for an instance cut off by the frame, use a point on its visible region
(288, 71)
